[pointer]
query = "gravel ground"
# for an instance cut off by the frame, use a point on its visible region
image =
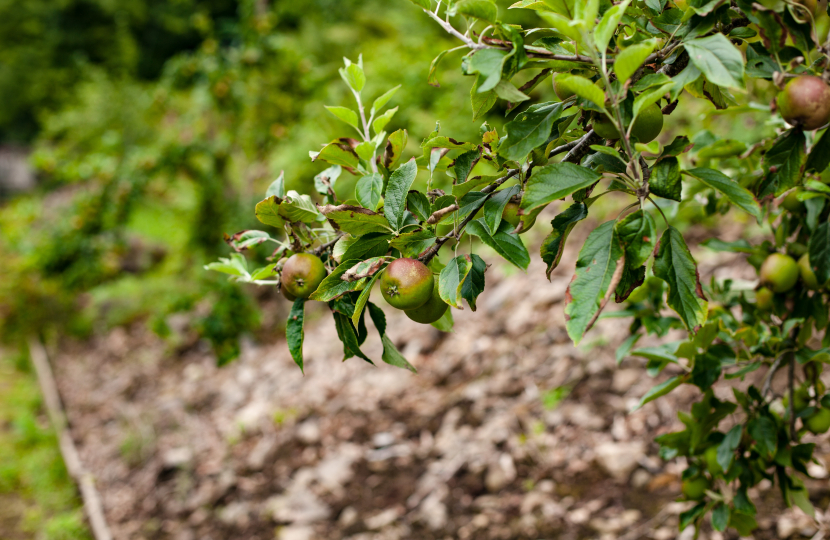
(473, 446)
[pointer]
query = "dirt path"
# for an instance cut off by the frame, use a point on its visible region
(476, 445)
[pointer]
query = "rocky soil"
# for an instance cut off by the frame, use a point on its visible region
(507, 432)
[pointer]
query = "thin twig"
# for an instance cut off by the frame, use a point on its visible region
(51, 398)
(324, 247)
(791, 383)
(768, 379)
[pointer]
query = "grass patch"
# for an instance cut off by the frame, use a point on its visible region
(37, 497)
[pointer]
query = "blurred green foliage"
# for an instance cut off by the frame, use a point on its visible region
(157, 125)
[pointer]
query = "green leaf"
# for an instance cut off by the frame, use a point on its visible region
(647, 99)
(394, 205)
(736, 193)
(691, 515)
(507, 245)
(262, 273)
(390, 353)
(347, 335)
(246, 239)
(479, 9)
(661, 390)
(367, 246)
(507, 91)
(354, 76)
(333, 285)
(345, 114)
(381, 121)
(464, 163)
(586, 12)
(234, 266)
(632, 277)
(394, 148)
(494, 207)
(459, 190)
(738, 246)
(593, 282)
(555, 181)
(665, 179)
(418, 205)
(783, 163)
(383, 100)
(820, 252)
(652, 80)
(562, 25)
(277, 187)
(481, 101)
(426, 4)
(721, 149)
(687, 77)
(365, 150)
(719, 60)
(631, 58)
(727, 447)
(296, 207)
(412, 244)
(553, 246)
(363, 298)
(675, 265)
(529, 130)
(583, 88)
(294, 334)
(338, 152)
(638, 235)
(742, 523)
(819, 157)
(267, 212)
(445, 323)
(356, 220)
(432, 78)
(468, 204)
(488, 63)
(608, 25)
(765, 433)
(452, 278)
(473, 284)
(368, 189)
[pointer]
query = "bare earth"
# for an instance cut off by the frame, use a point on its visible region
(466, 448)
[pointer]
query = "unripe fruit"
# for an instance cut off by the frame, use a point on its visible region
(764, 299)
(819, 421)
(711, 457)
(807, 275)
(779, 272)
(406, 284)
(560, 92)
(805, 102)
(694, 489)
(646, 127)
(511, 215)
(302, 274)
(792, 203)
(288, 296)
(430, 312)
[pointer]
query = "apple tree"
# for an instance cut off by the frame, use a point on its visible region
(610, 75)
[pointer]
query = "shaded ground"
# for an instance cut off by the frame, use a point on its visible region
(477, 445)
